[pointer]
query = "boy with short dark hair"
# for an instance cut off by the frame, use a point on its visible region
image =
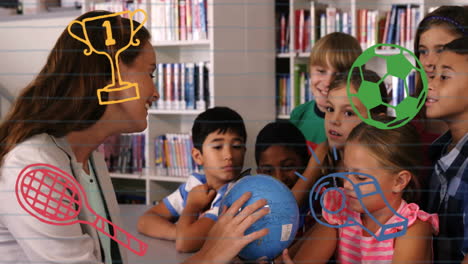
(447, 100)
(219, 137)
(280, 151)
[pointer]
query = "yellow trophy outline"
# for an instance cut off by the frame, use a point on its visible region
(88, 52)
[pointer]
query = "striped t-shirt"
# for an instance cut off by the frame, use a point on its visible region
(354, 247)
(176, 201)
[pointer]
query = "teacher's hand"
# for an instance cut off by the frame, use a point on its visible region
(226, 239)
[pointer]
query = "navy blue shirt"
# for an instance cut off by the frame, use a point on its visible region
(448, 198)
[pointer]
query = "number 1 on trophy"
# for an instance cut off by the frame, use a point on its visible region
(109, 40)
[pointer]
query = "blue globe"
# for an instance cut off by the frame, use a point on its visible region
(282, 221)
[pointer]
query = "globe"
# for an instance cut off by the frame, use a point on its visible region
(282, 221)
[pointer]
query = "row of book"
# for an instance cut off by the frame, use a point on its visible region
(173, 156)
(173, 20)
(289, 97)
(125, 153)
(397, 26)
(310, 25)
(328, 19)
(183, 86)
(120, 6)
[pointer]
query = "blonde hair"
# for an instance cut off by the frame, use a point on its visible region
(395, 149)
(338, 50)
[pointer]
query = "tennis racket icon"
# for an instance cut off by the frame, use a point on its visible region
(55, 197)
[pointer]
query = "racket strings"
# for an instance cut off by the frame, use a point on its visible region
(34, 188)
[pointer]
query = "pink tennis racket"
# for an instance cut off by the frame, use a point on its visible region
(54, 197)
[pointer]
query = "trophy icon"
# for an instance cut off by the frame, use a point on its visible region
(110, 41)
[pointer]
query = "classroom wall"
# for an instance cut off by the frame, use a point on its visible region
(24, 46)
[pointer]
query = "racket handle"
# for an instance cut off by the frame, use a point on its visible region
(141, 246)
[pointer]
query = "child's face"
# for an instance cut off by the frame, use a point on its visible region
(448, 89)
(357, 158)
(340, 118)
(430, 46)
(280, 162)
(321, 77)
(222, 158)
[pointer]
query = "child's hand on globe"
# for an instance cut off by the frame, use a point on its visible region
(227, 237)
(200, 197)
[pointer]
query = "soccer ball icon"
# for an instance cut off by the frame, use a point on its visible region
(399, 66)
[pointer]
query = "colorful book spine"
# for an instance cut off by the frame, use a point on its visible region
(200, 103)
(190, 86)
(176, 77)
(188, 16)
(176, 149)
(125, 153)
(160, 84)
(203, 20)
(168, 87)
(182, 102)
(184, 86)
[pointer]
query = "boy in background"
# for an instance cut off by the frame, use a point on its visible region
(281, 151)
(332, 54)
(219, 138)
(447, 100)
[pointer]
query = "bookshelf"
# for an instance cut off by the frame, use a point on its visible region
(288, 55)
(239, 51)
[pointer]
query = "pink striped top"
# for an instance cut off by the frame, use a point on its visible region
(354, 247)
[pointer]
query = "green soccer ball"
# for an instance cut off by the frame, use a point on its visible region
(398, 66)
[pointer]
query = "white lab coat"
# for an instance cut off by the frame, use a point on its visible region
(25, 239)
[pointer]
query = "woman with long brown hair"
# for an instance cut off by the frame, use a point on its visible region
(58, 120)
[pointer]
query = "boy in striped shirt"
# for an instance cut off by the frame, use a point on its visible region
(188, 214)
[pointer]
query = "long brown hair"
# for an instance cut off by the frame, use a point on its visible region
(62, 98)
(396, 150)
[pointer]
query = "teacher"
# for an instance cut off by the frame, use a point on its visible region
(57, 120)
